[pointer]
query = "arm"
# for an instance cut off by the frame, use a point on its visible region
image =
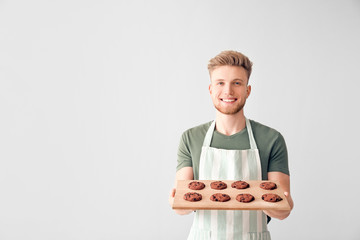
(185, 173)
(284, 181)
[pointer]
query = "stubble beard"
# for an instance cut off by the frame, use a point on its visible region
(232, 111)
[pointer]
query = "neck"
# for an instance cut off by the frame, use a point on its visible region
(230, 124)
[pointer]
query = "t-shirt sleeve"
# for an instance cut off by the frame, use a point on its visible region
(279, 156)
(184, 154)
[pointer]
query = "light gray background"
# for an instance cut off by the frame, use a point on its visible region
(94, 96)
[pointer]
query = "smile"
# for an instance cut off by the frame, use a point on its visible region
(228, 100)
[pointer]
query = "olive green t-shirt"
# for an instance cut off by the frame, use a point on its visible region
(271, 145)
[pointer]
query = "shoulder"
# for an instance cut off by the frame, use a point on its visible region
(261, 127)
(265, 132)
(200, 129)
(196, 133)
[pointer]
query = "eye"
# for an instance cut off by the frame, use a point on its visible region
(238, 83)
(220, 83)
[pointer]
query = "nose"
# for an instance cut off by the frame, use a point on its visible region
(228, 89)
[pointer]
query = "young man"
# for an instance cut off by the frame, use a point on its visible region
(232, 147)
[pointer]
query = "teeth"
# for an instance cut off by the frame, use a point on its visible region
(229, 100)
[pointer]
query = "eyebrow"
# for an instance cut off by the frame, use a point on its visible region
(236, 79)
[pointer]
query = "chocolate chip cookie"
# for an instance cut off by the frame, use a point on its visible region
(192, 196)
(220, 197)
(245, 198)
(218, 185)
(268, 185)
(270, 197)
(240, 185)
(196, 185)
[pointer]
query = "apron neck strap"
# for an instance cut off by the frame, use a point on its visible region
(210, 132)
(251, 135)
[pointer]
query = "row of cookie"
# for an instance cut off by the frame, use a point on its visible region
(219, 185)
(221, 197)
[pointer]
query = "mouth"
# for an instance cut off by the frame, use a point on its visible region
(228, 100)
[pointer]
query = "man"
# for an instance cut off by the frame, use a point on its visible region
(252, 152)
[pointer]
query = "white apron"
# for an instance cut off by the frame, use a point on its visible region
(222, 164)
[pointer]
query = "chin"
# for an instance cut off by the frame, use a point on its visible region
(229, 111)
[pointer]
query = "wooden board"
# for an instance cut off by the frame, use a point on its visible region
(232, 204)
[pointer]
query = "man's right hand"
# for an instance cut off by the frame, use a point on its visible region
(172, 196)
(171, 202)
(185, 173)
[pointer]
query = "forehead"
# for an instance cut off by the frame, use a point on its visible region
(229, 73)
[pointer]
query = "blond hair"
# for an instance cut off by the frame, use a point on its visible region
(230, 58)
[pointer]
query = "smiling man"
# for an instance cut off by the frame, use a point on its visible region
(229, 89)
(232, 147)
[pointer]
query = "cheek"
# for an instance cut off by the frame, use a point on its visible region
(216, 93)
(213, 95)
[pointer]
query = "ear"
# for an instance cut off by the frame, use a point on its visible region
(248, 91)
(210, 88)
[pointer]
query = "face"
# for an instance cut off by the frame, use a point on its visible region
(229, 89)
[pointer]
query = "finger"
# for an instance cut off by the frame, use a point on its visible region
(173, 191)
